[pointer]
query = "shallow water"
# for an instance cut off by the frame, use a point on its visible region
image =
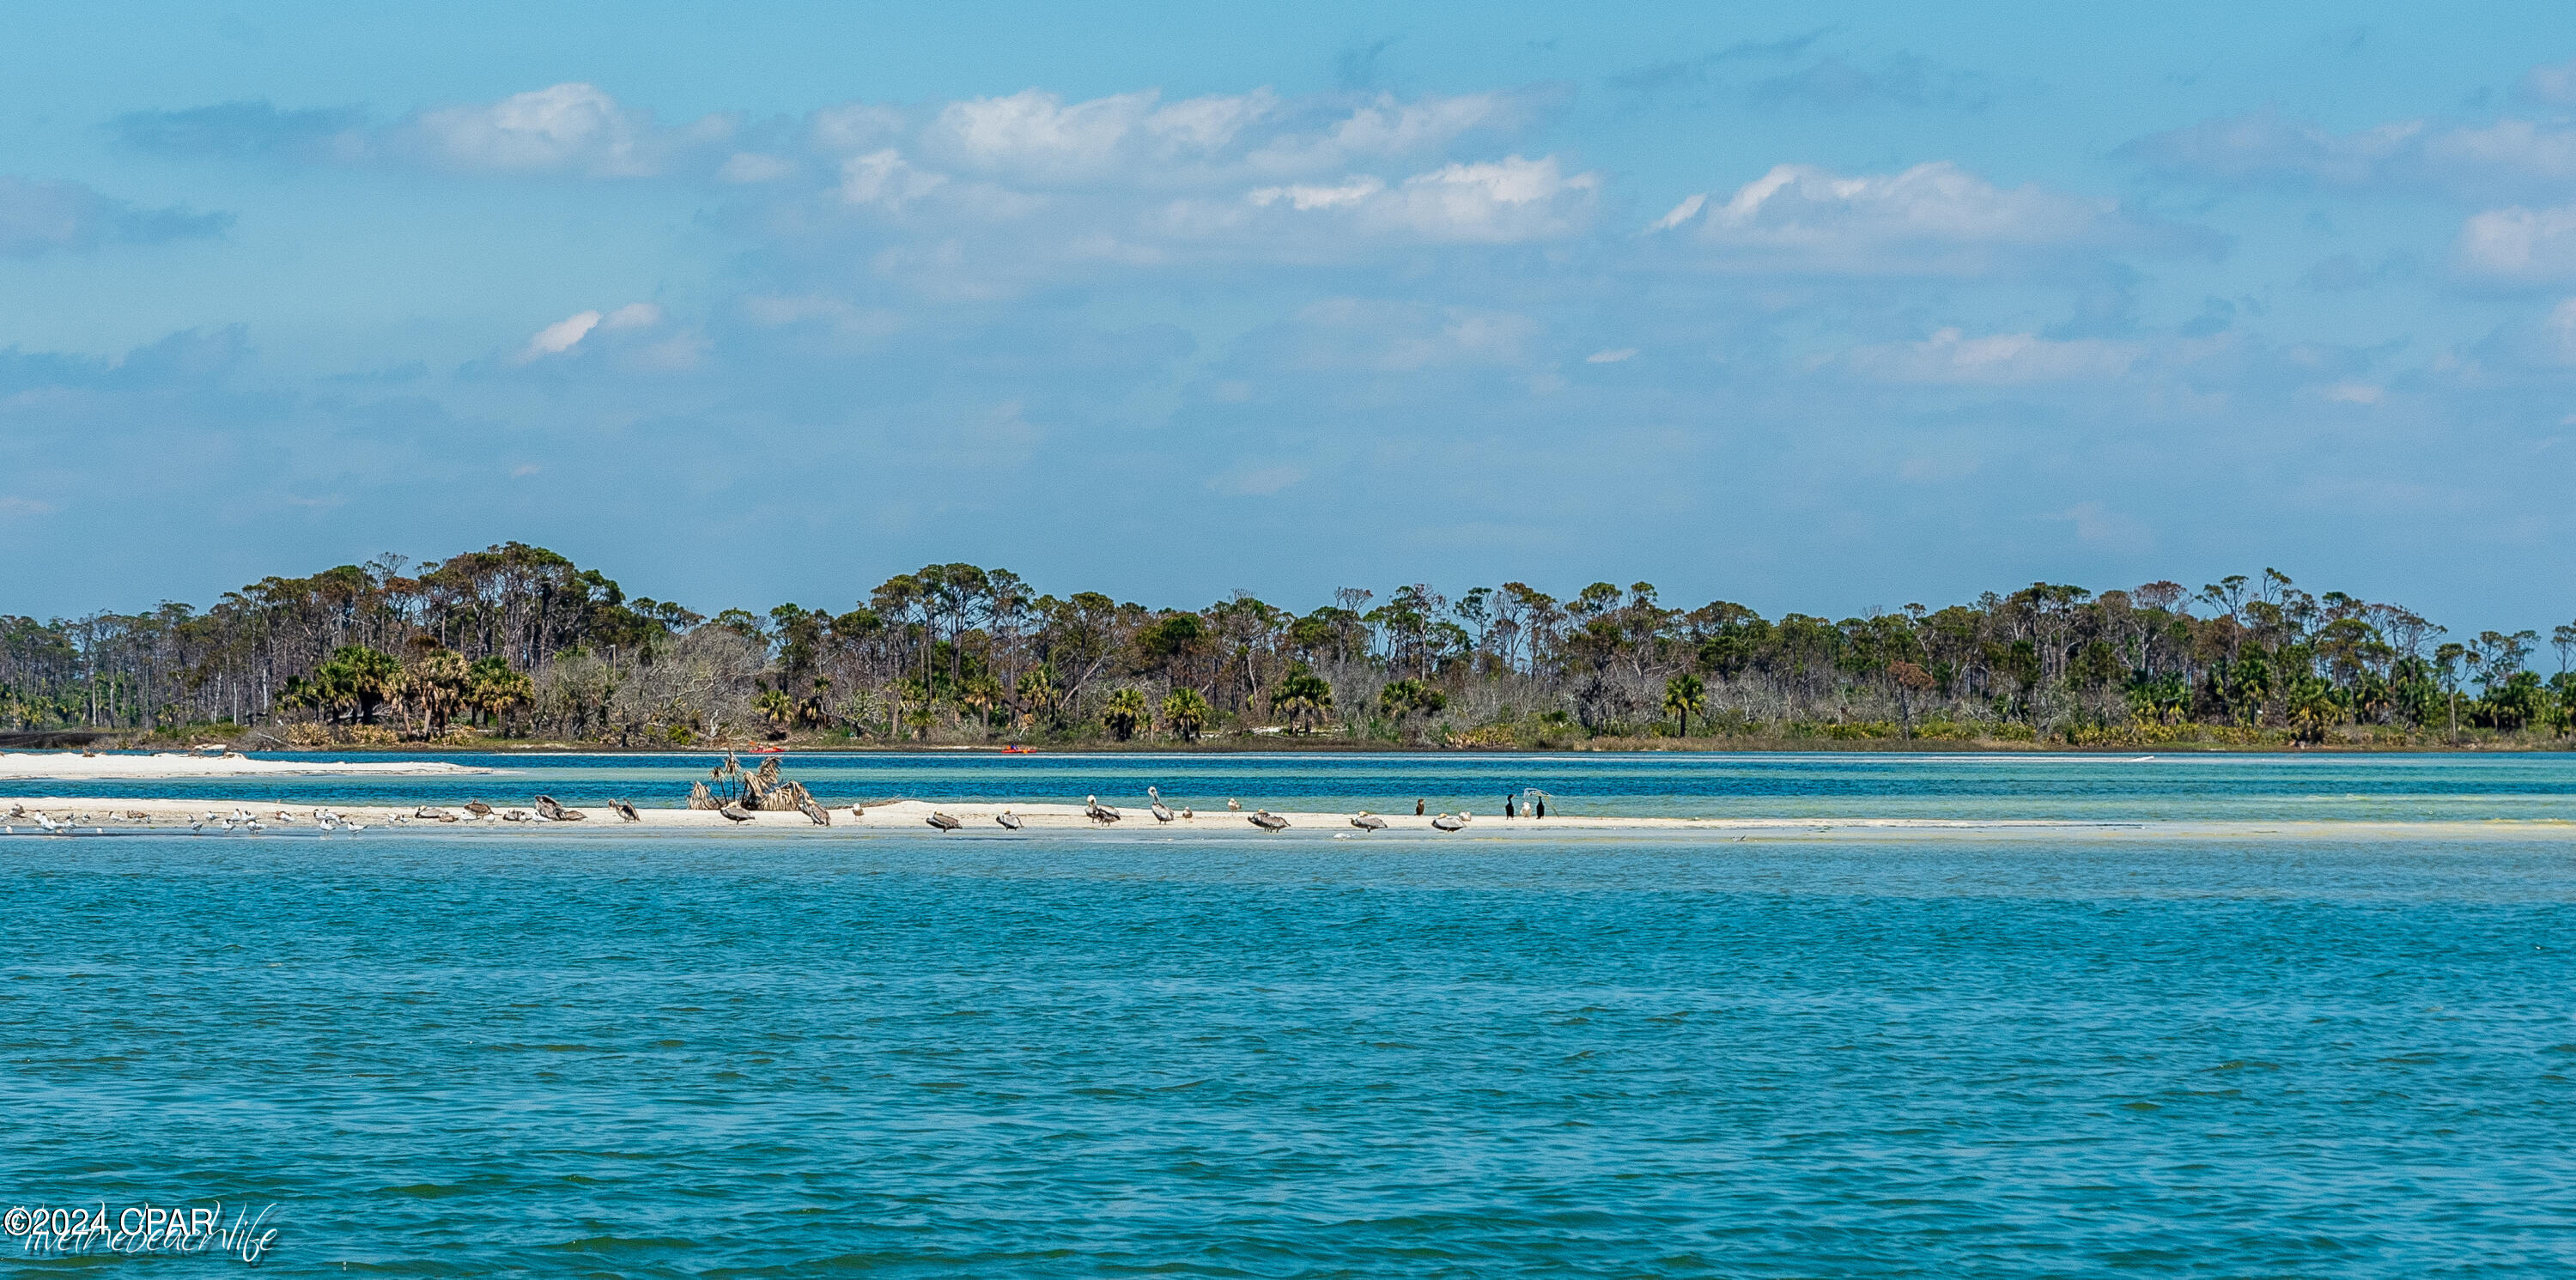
(1100, 1053)
(2204, 787)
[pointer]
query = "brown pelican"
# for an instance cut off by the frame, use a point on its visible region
(1008, 819)
(1267, 821)
(822, 817)
(1446, 823)
(555, 812)
(733, 809)
(625, 809)
(1368, 821)
(1098, 812)
(1162, 812)
(945, 822)
(478, 808)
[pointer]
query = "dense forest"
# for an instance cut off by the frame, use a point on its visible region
(518, 642)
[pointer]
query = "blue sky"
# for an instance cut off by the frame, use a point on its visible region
(1823, 307)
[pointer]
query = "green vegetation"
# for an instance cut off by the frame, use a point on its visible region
(515, 642)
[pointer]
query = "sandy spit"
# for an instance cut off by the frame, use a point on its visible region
(73, 766)
(89, 813)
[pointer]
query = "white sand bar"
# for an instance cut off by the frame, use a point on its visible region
(73, 766)
(90, 813)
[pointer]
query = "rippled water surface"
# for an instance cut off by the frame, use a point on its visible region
(1894, 785)
(1113, 1053)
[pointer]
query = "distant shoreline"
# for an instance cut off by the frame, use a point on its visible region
(1268, 745)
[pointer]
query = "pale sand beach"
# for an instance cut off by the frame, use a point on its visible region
(104, 814)
(72, 766)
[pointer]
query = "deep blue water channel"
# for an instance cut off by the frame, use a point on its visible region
(1111, 1054)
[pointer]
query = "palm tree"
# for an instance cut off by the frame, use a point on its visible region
(1125, 714)
(1685, 696)
(1185, 713)
(2313, 706)
(493, 689)
(983, 696)
(2446, 661)
(435, 686)
(1038, 693)
(1301, 697)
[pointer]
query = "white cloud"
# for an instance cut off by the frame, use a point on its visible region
(1212, 122)
(1035, 133)
(1500, 202)
(561, 336)
(567, 128)
(2519, 244)
(1611, 357)
(856, 126)
(1932, 219)
(2562, 330)
(2268, 148)
(634, 315)
(2554, 85)
(1309, 197)
(1505, 201)
(1387, 128)
(885, 178)
(1949, 356)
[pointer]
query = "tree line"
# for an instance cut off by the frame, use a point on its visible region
(518, 641)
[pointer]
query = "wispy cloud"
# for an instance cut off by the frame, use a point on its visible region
(39, 217)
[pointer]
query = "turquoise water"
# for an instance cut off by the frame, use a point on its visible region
(1116, 1053)
(2209, 787)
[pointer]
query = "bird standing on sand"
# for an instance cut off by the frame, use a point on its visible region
(1233, 805)
(1417, 808)
(945, 822)
(733, 809)
(1267, 821)
(1367, 821)
(1446, 823)
(478, 808)
(625, 809)
(1098, 812)
(1008, 819)
(1162, 812)
(822, 817)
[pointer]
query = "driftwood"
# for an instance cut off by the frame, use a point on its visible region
(759, 790)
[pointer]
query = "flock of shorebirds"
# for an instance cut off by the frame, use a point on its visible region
(1102, 815)
(547, 809)
(225, 821)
